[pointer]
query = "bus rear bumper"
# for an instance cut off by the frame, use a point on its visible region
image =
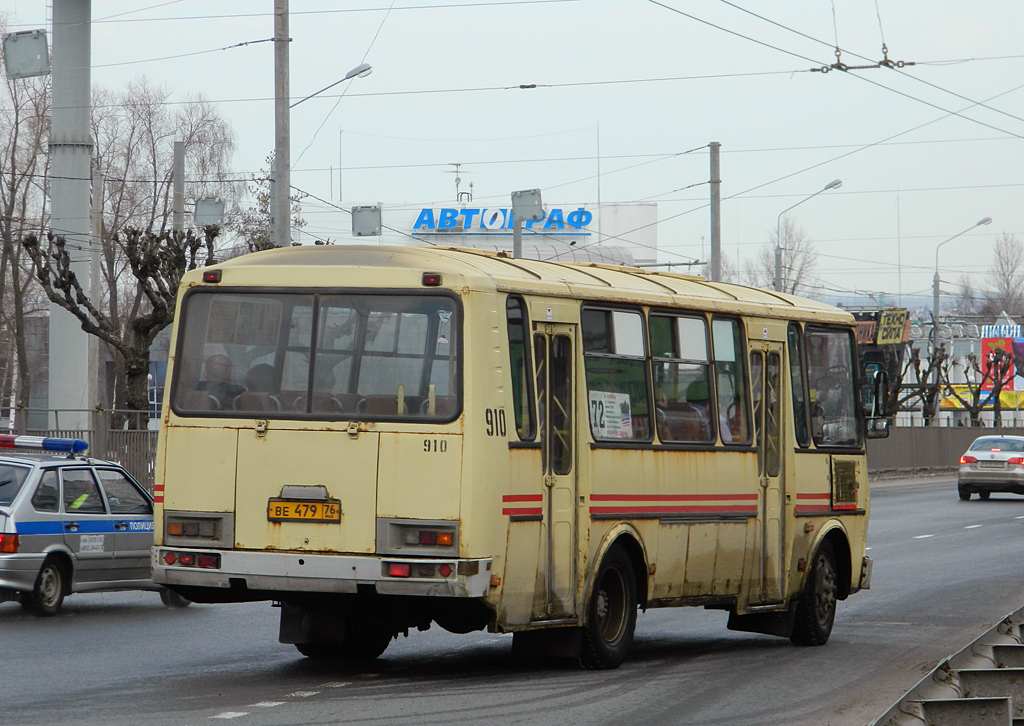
(318, 573)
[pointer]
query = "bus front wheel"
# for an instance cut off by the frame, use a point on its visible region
(816, 609)
(611, 613)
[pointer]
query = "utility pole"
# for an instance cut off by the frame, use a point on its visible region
(282, 132)
(716, 213)
(70, 178)
(178, 184)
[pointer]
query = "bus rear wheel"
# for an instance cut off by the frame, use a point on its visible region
(366, 637)
(611, 613)
(816, 609)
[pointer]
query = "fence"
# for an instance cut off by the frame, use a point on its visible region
(135, 450)
(925, 450)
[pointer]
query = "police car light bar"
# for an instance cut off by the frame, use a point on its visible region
(74, 446)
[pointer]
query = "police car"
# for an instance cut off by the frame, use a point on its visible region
(69, 523)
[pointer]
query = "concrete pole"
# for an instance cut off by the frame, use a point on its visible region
(98, 420)
(716, 213)
(70, 177)
(178, 185)
(282, 130)
(517, 237)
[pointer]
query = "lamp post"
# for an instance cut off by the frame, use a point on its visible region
(834, 184)
(935, 283)
(282, 123)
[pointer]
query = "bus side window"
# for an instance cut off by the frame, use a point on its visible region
(519, 361)
(682, 379)
(796, 376)
(830, 366)
(730, 381)
(617, 388)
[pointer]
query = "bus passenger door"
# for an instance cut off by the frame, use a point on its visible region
(766, 382)
(553, 367)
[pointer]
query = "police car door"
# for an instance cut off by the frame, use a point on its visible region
(88, 527)
(132, 514)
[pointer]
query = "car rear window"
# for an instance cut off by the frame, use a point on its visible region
(995, 443)
(11, 479)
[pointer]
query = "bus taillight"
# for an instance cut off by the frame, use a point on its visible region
(399, 569)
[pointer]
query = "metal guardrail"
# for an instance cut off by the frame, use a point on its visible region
(982, 684)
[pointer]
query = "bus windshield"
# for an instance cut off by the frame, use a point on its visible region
(302, 355)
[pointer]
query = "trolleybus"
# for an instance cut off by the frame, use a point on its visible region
(381, 438)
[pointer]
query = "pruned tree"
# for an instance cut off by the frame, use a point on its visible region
(799, 261)
(157, 261)
(920, 382)
(984, 379)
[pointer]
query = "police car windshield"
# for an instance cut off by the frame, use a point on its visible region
(11, 479)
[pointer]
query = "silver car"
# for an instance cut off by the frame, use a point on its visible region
(992, 464)
(71, 524)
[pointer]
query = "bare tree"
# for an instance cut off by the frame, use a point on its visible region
(729, 271)
(24, 135)
(157, 262)
(799, 261)
(1006, 277)
(135, 130)
(253, 224)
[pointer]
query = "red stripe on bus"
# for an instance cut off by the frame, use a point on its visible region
(158, 488)
(673, 497)
(521, 511)
(813, 496)
(158, 500)
(844, 506)
(522, 498)
(672, 510)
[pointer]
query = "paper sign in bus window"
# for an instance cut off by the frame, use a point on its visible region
(610, 416)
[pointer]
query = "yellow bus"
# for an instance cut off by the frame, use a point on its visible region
(381, 438)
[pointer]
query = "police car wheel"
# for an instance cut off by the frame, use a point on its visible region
(48, 594)
(173, 600)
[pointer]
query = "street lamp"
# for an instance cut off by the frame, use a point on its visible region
(935, 281)
(282, 123)
(834, 184)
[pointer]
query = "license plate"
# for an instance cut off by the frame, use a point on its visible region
(992, 465)
(290, 510)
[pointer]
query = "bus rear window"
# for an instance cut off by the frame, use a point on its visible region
(318, 355)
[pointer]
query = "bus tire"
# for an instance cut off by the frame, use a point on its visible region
(611, 613)
(173, 600)
(366, 638)
(816, 609)
(318, 650)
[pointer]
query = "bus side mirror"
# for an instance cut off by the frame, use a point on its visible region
(881, 381)
(877, 423)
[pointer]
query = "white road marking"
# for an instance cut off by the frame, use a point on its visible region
(339, 684)
(230, 714)
(972, 526)
(1020, 517)
(924, 536)
(302, 694)
(266, 704)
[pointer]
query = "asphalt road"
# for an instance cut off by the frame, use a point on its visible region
(945, 571)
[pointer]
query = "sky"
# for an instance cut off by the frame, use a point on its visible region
(628, 96)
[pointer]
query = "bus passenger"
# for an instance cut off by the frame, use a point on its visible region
(218, 383)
